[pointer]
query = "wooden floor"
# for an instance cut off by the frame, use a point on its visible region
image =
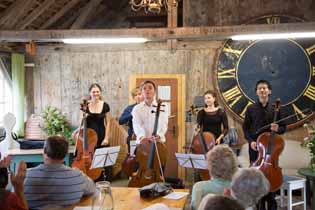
(124, 183)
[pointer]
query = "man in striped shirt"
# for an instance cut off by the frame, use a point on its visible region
(53, 183)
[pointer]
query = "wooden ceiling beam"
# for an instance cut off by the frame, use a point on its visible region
(9, 12)
(34, 14)
(85, 14)
(157, 34)
(59, 14)
(12, 14)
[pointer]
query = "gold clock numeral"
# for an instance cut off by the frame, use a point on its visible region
(229, 49)
(310, 92)
(311, 49)
(232, 96)
(300, 114)
(273, 20)
(244, 110)
(313, 70)
(227, 73)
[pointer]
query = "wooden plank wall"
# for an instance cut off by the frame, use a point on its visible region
(63, 74)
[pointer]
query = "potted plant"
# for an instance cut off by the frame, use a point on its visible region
(309, 143)
(55, 123)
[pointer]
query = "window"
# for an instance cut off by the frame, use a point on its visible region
(6, 101)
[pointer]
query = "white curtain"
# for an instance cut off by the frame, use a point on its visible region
(5, 69)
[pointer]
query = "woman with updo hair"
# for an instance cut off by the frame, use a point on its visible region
(212, 118)
(98, 117)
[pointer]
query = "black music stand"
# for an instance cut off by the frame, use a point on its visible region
(104, 157)
(194, 161)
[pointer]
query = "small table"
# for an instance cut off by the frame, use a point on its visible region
(31, 156)
(310, 177)
(129, 198)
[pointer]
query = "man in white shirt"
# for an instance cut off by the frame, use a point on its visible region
(143, 117)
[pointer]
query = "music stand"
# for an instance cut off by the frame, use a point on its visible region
(194, 161)
(104, 157)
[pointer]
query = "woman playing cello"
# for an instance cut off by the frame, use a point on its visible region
(97, 119)
(212, 118)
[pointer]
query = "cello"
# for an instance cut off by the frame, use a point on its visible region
(86, 140)
(269, 146)
(201, 143)
(151, 155)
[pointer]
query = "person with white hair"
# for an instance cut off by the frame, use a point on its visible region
(248, 186)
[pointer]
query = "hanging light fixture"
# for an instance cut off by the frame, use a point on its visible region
(153, 6)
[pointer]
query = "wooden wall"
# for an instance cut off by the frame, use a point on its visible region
(63, 74)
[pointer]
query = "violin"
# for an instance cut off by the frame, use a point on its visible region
(270, 145)
(86, 141)
(151, 155)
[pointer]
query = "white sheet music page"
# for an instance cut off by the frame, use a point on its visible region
(105, 157)
(176, 195)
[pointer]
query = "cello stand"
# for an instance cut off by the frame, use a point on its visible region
(194, 161)
(104, 157)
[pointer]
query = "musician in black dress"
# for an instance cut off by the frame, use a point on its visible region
(212, 118)
(258, 115)
(98, 119)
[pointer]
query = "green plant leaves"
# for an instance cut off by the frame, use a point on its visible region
(56, 123)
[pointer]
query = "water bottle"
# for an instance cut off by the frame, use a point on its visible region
(102, 198)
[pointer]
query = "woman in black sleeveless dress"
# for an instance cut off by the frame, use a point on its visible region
(98, 119)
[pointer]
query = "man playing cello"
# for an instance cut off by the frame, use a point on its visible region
(150, 126)
(143, 117)
(257, 116)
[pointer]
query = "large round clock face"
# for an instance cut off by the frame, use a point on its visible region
(288, 64)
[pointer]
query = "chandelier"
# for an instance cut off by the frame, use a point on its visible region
(153, 6)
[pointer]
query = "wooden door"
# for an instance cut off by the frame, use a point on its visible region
(166, 89)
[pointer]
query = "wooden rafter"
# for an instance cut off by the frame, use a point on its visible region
(34, 14)
(85, 15)
(157, 34)
(59, 14)
(12, 14)
(8, 13)
(172, 21)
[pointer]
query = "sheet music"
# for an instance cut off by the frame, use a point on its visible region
(198, 160)
(105, 157)
(176, 195)
(157, 206)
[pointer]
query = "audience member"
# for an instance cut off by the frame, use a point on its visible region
(12, 200)
(248, 186)
(53, 183)
(222, 165)
(219, 202)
